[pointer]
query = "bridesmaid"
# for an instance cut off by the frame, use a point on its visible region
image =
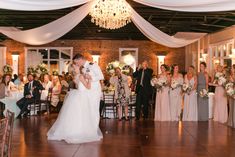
(231, 117)
(176, 94)
(162, 106)
(202, 83)
(220, 108)
(190, 100)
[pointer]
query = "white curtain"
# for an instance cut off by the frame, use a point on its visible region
(158, 36)
(191, 5)
(51, 31)
(39, 5)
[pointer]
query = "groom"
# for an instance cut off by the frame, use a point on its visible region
(93, 72)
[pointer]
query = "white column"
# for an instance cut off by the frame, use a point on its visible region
(161, 60)
(15, 63)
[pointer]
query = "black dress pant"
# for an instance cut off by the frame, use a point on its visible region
(23, 104)
(142, 99)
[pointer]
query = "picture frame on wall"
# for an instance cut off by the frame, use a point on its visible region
(129, 56)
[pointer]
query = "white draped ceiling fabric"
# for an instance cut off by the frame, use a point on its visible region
(58, 28)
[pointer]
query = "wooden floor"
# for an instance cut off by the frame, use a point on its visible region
(128, 139)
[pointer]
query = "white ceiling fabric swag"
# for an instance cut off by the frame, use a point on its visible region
(191, 5)
(51, 31)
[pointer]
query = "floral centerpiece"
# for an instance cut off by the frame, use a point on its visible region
(159, 83)
(31, 70)
(187, 88)
(55, 72)
(111, 67)
(7, 69)
(126, 69)
(42, 68)
(203, 93)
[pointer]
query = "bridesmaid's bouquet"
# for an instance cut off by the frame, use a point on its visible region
(229, 87)
(175, 84)
(159, 83)
(203, 93)
(220, 79)
(186, 88)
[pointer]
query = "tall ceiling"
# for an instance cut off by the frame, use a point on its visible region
(167, 21)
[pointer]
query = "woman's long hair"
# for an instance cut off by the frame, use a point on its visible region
(4, 79)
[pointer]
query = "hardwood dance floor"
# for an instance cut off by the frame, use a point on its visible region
(128, 139)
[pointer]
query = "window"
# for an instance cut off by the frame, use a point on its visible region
(56, 58)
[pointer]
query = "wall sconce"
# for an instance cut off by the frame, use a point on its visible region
(15, 62)
(95, 58)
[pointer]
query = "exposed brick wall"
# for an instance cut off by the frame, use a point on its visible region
(109, 51)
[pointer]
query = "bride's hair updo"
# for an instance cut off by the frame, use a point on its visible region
(78, 56)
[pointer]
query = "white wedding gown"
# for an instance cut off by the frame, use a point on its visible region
(76, 122)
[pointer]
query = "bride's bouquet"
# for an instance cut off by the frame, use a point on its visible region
(203, 93)
(186, 88)
(175, 84)
(229, 87)
(159, 83)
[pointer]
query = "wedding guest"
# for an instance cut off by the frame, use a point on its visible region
(220, 105)
(64, 84)
(47, 85)
(143, 76)
(122, 92)
(56, 90)
(9, 85)
(162, 104)
(72, 84)
(190, 112)
(32, 93)
(202, 83)
(176, 93)
(231, 117)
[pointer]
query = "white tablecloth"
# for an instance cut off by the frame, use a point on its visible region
(10, 102)
(211, 104)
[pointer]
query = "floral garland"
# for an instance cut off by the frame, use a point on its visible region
(7, 69)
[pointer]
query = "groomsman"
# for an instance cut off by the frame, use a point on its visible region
(32, 93)
(143, 76)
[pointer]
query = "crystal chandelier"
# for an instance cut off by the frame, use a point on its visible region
(111, 14)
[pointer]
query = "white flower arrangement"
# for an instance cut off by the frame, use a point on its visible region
(186, 88)
(116, 64)
(203, 93)
(229, 87)
(159, 83)
(42, 68)
(218, 75)
(220, 79)
(7, 69)
(175, 84)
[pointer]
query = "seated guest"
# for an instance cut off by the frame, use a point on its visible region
(32, 93)
(47, 84)
(122, 92)
(2, 96)
(56, 90)
(9, 85)
(19, 81)
(64, 84)
(15, 77)
(72, 84)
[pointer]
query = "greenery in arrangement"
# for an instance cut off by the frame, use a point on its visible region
(7, 69)
(55, 73)
(126, 69)
(42, 69)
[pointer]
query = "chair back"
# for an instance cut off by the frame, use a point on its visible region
(109, 98)
(133, 99)
(10, 116)
(3, 134)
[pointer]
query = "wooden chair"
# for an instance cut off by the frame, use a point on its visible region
(3, 137)
(109, 104)
(10, 116)
(34, 107)
(132, 105)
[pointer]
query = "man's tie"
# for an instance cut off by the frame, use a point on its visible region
(142, 78)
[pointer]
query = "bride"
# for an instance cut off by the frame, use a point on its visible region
(76, 123)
